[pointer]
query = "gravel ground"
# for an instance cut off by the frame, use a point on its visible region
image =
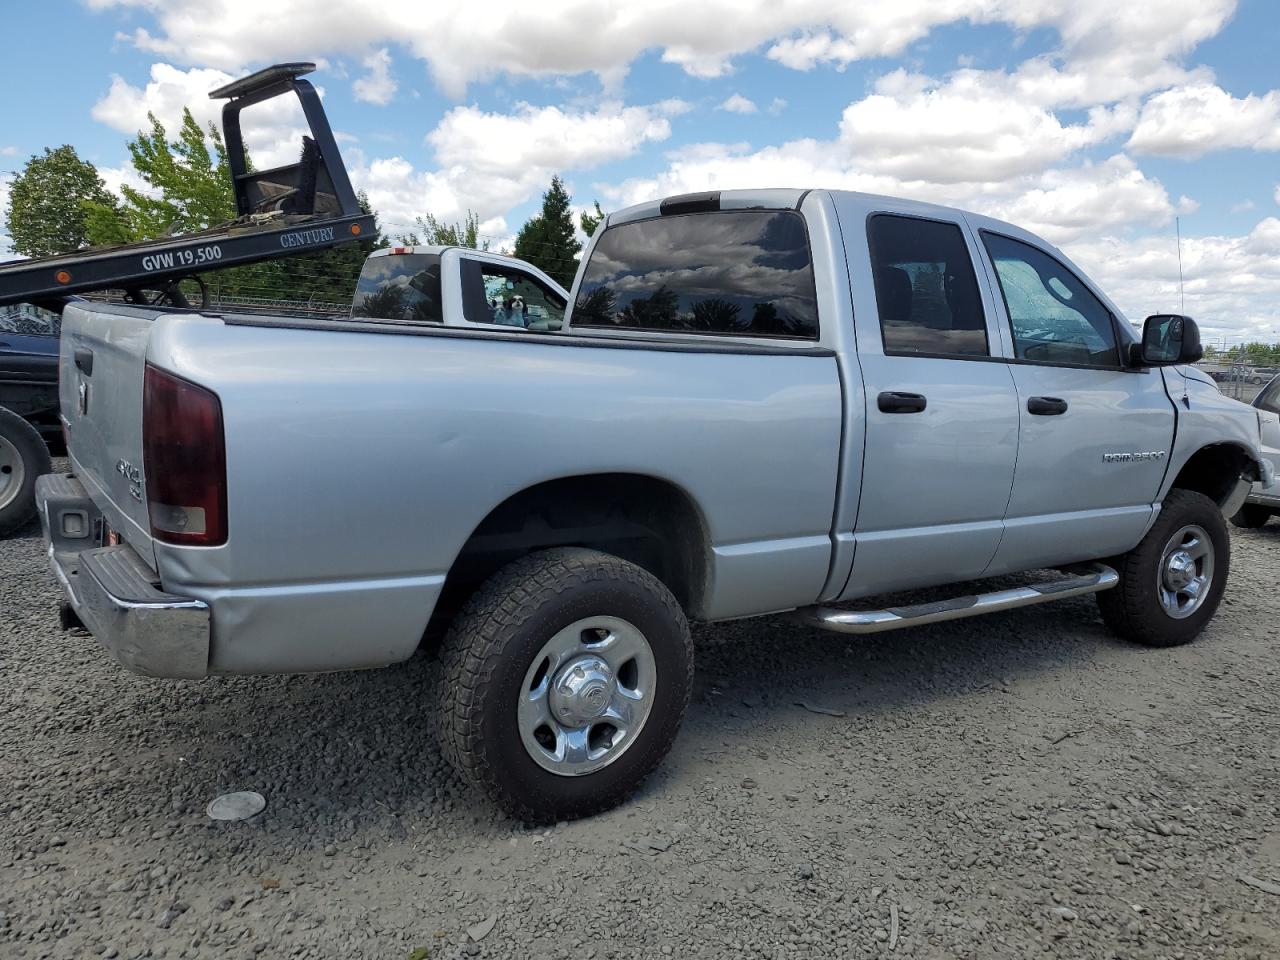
(1004, 787)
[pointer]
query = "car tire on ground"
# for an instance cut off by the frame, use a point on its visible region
(23, 457)
(563, 682)
(1171, 583)
(1251, 516)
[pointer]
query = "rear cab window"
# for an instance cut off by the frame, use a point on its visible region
(726, 273)
(400, 286)
(926, 288)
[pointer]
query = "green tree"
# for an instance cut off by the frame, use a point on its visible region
(590, 219)
(328, 275)
(47, 211)
(548, 241)
(189, 180)
(597, 307)
(437, 233)
(190, 189)
(715, 313)
(658, 311)
(386, 304)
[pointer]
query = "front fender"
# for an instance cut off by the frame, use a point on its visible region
(1214, 434)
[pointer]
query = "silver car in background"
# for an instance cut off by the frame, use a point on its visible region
(1264, 499)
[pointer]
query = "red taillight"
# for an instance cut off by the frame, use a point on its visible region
(184, 456)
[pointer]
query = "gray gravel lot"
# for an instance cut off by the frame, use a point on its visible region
(1005, 787)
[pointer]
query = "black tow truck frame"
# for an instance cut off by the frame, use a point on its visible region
(281, 212)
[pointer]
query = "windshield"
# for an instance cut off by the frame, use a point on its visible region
(400, 287)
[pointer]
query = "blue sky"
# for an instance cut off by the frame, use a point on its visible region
(1086, 121)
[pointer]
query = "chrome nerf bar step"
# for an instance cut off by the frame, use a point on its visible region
(1099, 577)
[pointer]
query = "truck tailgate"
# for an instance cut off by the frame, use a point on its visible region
(101, 365)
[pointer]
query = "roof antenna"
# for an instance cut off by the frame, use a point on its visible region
(1177, 223)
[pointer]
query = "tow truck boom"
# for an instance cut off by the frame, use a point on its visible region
(296, 208)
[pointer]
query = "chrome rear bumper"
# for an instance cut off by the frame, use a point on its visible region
(115, 594)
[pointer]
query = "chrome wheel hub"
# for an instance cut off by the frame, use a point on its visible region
(586, 696)
(1186, 572)
(582, 691)
(13, 472)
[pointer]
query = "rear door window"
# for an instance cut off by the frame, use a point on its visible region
(926, 289)
(734, 272)
(494, 293)
(400, 286)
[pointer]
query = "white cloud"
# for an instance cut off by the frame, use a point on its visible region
(1242, 206)
(1111, 48)
(488, 163)
(737, 103)
(272, 130)
(1276, 195)
(1232, 284)
(1088, 200)
(777, 105)
(1192, 120)
(548, 139)
(125, 176)
(8, 151)
(967, 129)
(377, 86)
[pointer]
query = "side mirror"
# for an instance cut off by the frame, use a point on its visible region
(1168, 339)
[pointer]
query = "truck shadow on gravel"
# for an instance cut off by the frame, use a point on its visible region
(358, 750)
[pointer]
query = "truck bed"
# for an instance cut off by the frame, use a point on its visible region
(361, 456)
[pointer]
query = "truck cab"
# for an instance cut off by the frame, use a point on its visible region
(458, 287)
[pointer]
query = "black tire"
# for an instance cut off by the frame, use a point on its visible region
(1251, 516)
(18, 506)
(1132, 608)
(491, 646)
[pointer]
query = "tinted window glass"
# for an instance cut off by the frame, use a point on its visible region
(733, 272)
(400, 287)
(492, 293)
(30, 320)
(926, 290)
(1055, 318)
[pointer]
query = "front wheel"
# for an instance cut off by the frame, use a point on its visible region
(1172, 582)
(23, 457)
(563, 683)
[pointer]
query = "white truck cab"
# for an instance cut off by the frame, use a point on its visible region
(458, 287)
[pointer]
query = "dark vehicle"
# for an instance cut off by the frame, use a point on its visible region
(28, 406)
(281, 212)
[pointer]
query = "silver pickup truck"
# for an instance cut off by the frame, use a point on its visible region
(758, 402)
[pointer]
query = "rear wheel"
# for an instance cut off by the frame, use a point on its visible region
(1251, 516)
(23, 457)
(563, 683)
(1172, 582)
